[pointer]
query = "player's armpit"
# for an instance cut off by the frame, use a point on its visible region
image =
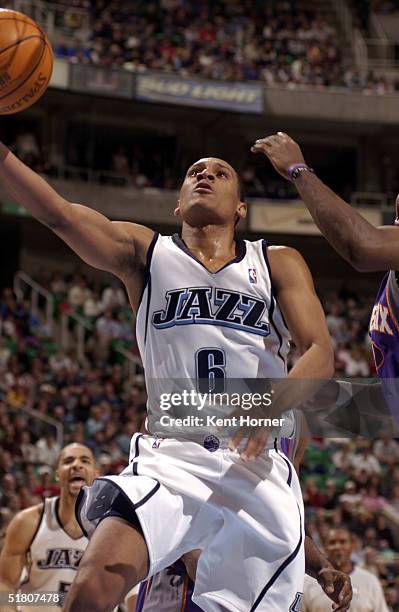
(114, 246)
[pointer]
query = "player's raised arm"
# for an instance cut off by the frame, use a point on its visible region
(109, 245)
(13, 557)
(365, 247)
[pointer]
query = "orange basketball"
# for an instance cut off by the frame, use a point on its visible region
(26, 62)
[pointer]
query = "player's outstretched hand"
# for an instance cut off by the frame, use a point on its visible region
(281, 150)
(337, 586)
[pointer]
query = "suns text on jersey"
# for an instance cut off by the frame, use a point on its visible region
(379, 320)
(212, 306)
(65, 558)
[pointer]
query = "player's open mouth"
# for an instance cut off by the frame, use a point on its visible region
(203, 187)
(77, 480)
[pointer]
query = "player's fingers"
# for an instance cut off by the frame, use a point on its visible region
(262, 442)
(341, 607)
(250, 447)
(235, 440)
(255, 445)
(345, 595)
(267, 142)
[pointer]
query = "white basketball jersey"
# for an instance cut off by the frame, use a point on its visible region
(191, 321)
(53, 556)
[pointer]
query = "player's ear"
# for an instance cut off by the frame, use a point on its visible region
(176, 212)
(241, 210)
(57, 476)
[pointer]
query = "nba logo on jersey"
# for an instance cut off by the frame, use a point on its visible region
(252, 276)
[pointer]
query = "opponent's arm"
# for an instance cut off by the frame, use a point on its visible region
(18, 538)
(108, 245)
(365, 247)
(336, 584)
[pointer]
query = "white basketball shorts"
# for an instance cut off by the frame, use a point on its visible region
(246, 516)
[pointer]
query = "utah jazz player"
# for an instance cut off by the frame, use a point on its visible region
(212, 305)
(44, 544)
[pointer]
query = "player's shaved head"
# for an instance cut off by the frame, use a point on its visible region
(74, 447)
(76, 467)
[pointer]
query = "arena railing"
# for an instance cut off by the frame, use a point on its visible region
(73, 328)
(22, 282)
(353, 36)
(47, 420)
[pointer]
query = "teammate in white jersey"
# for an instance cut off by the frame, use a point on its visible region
(44, 544)
(208, 306)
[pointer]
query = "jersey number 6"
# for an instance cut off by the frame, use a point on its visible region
(210, 365)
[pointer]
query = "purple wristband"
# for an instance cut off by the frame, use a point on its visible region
(294, 167)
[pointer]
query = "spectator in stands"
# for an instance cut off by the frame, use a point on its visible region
(107, 328)
(113, 296)
(386, 450)
(26, 147)
(120, 161)
(48, 450)
(78, 292)
(5, 353)
(93, 305)
(60, 361)
(366, 461)
(58, 284)
(367, 591)
(28, 450)
(46, 487)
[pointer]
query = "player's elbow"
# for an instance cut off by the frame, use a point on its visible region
(327, 360)
(361, 257)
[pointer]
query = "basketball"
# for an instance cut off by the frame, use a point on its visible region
(26, 62)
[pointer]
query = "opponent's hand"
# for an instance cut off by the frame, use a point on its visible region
(337, 586)
(281, 150)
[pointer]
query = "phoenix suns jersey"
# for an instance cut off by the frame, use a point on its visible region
(384, 334)
(384, 328)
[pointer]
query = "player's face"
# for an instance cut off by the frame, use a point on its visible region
(76, 468)
(209, 194)
(339, 547)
